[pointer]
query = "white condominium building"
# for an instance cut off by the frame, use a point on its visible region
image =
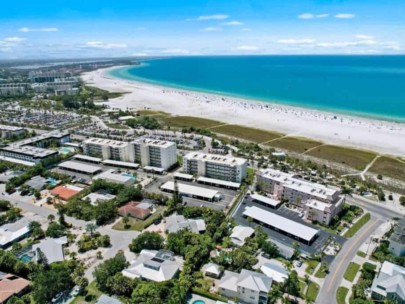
(155, 153)
(322, 212)
(10, 131)
(108, 149)
(296, 191)
(221, 167)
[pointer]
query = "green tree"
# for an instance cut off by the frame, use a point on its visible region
(90, 228)
(51, 218)
(55, 230)
(108, 269)
(147, 240)
(292, 284)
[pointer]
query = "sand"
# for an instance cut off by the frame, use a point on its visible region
(332, 128)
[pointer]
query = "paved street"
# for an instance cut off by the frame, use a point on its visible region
(327, 294)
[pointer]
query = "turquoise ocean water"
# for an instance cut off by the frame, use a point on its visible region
(371, 86)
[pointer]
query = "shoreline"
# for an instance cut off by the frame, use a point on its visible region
(382, 136)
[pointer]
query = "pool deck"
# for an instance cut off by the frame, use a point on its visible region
(195, 297)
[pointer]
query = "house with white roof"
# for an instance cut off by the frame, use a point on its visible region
(153, 265)
(397, 239)
(389, 284)
(240, 234)
(248, 286)
(51, 248)
(177, 222)
(275, 270)
(212, 270)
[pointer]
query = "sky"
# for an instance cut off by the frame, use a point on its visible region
(99, 28)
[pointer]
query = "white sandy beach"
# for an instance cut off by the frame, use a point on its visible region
(382, 136)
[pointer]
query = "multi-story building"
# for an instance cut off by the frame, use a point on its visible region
(108, 149)
(33, 150)
(248, 286)
(226, 168)
(322, 212)
(155, 153)
(389, 284)
(46, 76)
(397, 239)
(10, 131)
(13, 89)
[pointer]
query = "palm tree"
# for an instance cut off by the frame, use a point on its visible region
(125, 220)
(99, 255)
(346, 191)
(90, 228)
(51, 218)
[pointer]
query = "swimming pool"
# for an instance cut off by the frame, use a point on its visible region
(26, 257)
(128, 175)
(51, 181)
(198, 302)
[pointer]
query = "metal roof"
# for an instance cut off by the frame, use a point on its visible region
(71, 165)
(282, 223)
(190, 190)
(218, 182)
(266, 200)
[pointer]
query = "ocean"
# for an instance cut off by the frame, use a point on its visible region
(369, 86)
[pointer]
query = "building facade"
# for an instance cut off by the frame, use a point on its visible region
(108, 149)
(397, 239)
(155, 153)
(226, 168)
(10, 131)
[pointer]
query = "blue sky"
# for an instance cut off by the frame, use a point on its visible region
(88, 28)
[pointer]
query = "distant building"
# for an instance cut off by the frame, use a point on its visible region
(108, 149)
(10, 131)
(214, 166)
(175, 222)
(13, 89)
(116, 176)
(397, 239)
(40, 76)
(12, 285)
(152, 265)
(240, 234)
(389, 284)
(248, 286)
(33, 150)
(155, 153)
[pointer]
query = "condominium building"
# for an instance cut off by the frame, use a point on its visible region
(220, 167)
(397, 239)
(322, 212)
(155, 153)
(10, 131)
(108, 149)
(13, 89)
(46, 75)
(33, 150)
(297, 191)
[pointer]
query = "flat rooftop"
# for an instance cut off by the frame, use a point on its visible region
(281, 223)
(110, 162)
(190, 190)
(87, 158)
(10, 128)
(290, 181)
(29, 150)
(113, 175)
(220, 182)
(79, 167)
(183, 175)
(105, 142)
(266, 200)
(44, 136)
(220, 159)
(155, 142)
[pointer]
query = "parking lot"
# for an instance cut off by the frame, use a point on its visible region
(316, 247)
(226, 194)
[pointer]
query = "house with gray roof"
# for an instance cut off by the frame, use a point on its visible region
(107, 300)
(397, 239)
(177, 222)
(248, 286)
(51, 248)
(389, 284)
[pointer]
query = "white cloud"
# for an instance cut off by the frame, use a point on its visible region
(211, 29)
(45, 29)
(296, 41)
(307, 16)
(176, 51)
(103, 45)
(247, 48)
(364, 37)
(340, 44)
(233, 23)
(140, 54)
(344, 16)
(14, 39)
(212, 17)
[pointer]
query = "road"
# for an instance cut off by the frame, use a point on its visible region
(119, 239)
(377, 209)
(327, 294)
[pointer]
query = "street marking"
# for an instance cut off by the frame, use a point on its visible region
(350, 248)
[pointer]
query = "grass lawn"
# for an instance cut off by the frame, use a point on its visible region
(341, 295)
(295, 144)
(189, 121)
(357, 226)
(302, 289)
(246, 133)
(312, 264)
(150, 112)
(117, 126)
(351, 271)
(354, 158)
(320, 273)
(312, 292)
(391, 167)
(361, 254)
(93, 291)
(138, 225)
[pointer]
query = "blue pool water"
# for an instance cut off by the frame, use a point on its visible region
(128, 175)
(26, 258)
(198, 302)
(371, 86)
(51, 181)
